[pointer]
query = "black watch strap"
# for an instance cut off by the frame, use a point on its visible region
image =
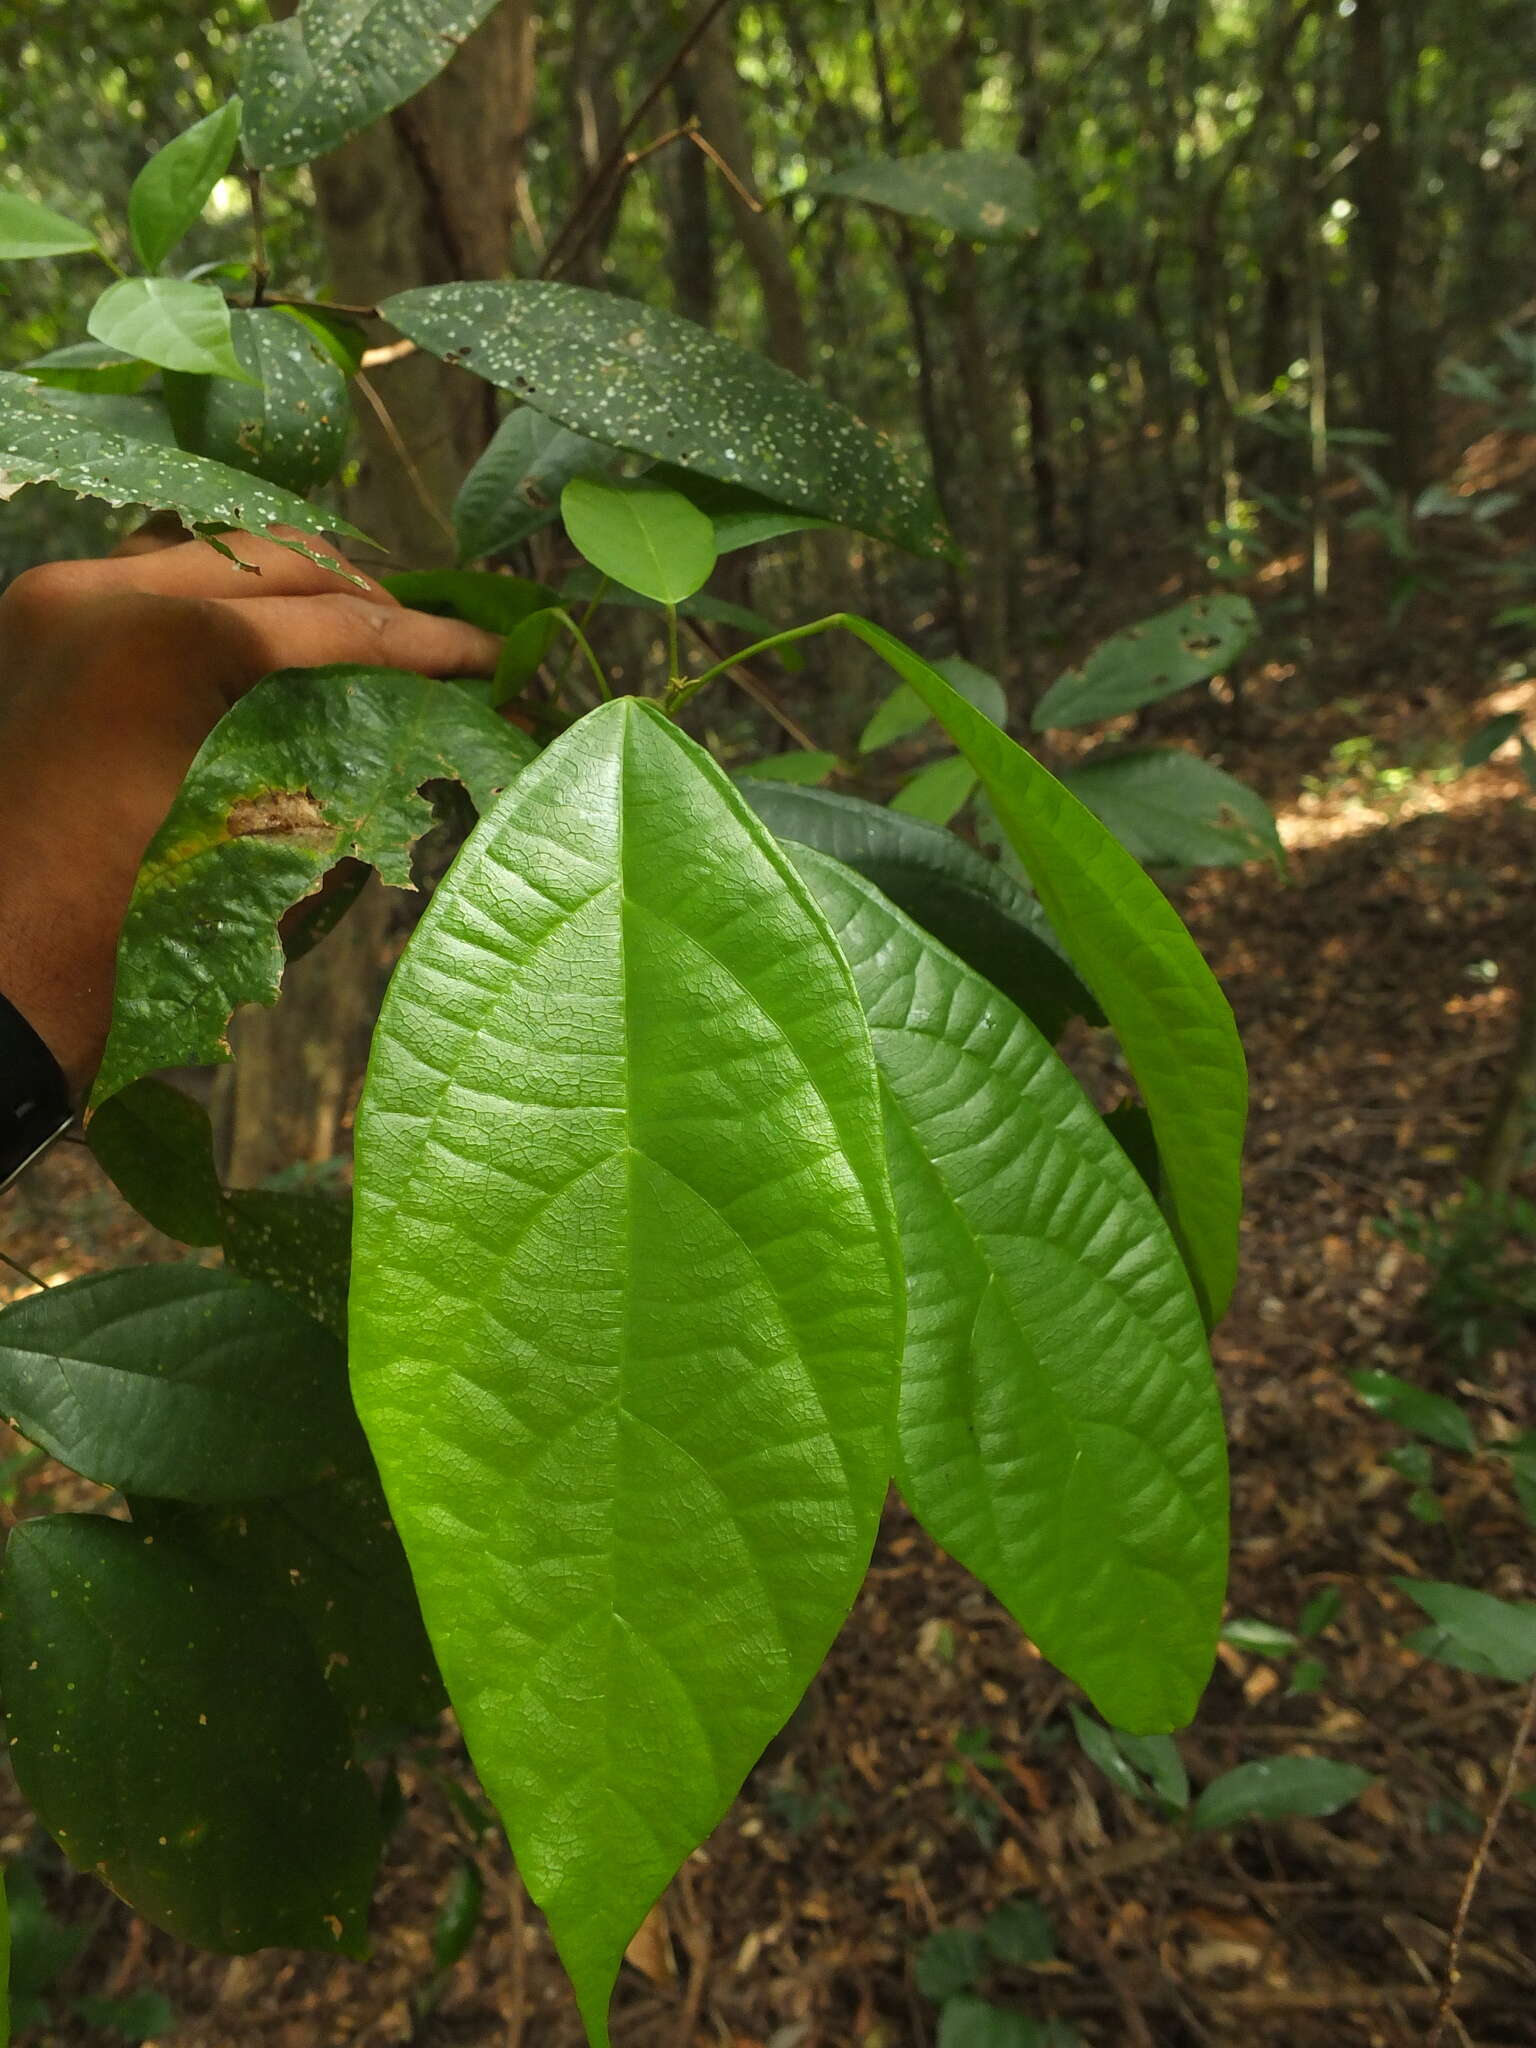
(34, 1096)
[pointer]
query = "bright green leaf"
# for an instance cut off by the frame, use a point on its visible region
(904, 712)
(28, 229)
(968, 903)
(644, 380)
(167, 321)
(179, 1740)
(311, 767)
(1059, 1430)
(515, 487)
(625, 1306)
(1186, 645)
(287, 420)
(938, 792)
(640, 534)
(42, 443)
(803, 766)
(985, 195)
(89, 366)
(311, 81)
(169, 194)
(155, 1144)
(1173, 809)
(1278, 1789)
(1474, 1631)
(741, 518)
(299, 1244)
(177, 1381)
(1410, 1407)
(1126, 940)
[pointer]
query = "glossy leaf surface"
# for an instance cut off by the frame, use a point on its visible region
(155, 1144)
(177, 1381)
(984, 195)
(1145, 663)
(334, 66)
(625, 1309)
(1173, 809)
(166, 321)
(515, 487)
(1059, 1429)
(288, 419)
(967, 902)
(640, 534)
(169, 194)
(311, 767)
(1278, 1789)
(179, 1739)
(41, 442)
(648, 381)
(299, 1244)
(30, 229)
(1126, 940)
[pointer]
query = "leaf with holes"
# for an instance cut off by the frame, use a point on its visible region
(648, 381)
(514, 489)
(177, 1381)
(286, 420)
(983, 194)
(178, 1739)
(640, 534)
(169, 194)
(41, 442)
(28, 229)
(1126, 940)
(1173, 809)
(313, 80)
(626, 1307)
(155, 1144)
(1186, 645)
(168, 322)
(1059, 1429)
(311, 767)
(967, 903)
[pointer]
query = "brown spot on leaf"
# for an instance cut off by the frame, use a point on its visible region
(290, 814)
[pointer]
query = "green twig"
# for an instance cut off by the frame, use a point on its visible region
(681, 692)
(586, 647)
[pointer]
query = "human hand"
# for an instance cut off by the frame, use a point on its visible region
(112, 674)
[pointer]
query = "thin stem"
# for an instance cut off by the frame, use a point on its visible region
(752, 686)
(674, 678)
(586, 647)
(418, 483)
(25, 1271)
(260, 268)
(682, 692)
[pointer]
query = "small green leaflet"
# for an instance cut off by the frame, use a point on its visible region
(43, 443)
(1278, 1789)
(515, 487)
(640, 379)
(311, 767)
(1140, 1765)
(28, 229)
(984, 195)
(1186, 645)
(640, 534)
(169, 194)
(1415, 1408)
(155, 1144)
(1127, 942)
(1059, 1430)
(1173, 809)
(311, 81)
(177, 1381)
(166, 321)
(179, 1740)
(1475, 1631)
(938, 792)
(627, 1352)
(904, 712)
(286, 419)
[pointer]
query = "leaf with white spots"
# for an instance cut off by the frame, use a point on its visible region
(650, 382)
(286, 420)
(983, 194)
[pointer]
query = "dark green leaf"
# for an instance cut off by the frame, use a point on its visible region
(169, 194)
(287, 421)
(138, 2016)
(1186, 645)
(1173, 809)
(1020, 1934)
(1098, 1745)
(1410, 1407)
(1126, 940)
(979, 912)
(1059, 1430)
(1277, 1789)
(155, 1145)
(42, 1945)
(177, 1381)
(1475, 1631)
(299, 1244)
(1522, 1459)
(341, 336)
(459, 1914)
(167, 321)
(983, 194)
(1157, 1758)
(949, 1962)
(90, 366)
(1489, 737)
(644, 380)
(803, 766)
(638, 1465)
(1131, 1128)
(180, 1741)
(311, 767)
(1307, 1676)
(28, 229)
(938, 792)
(331, 1557)
(1320, 1611)
(525, 651)
(41, 443)
(586, 586)
(741, 518)
(515, 487)
(137, 419)
(904, 712)
(640, 534)
(312, 81)
(972, 2023)
(485, 598)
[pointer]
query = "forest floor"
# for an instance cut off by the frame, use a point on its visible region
(935, 1774)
